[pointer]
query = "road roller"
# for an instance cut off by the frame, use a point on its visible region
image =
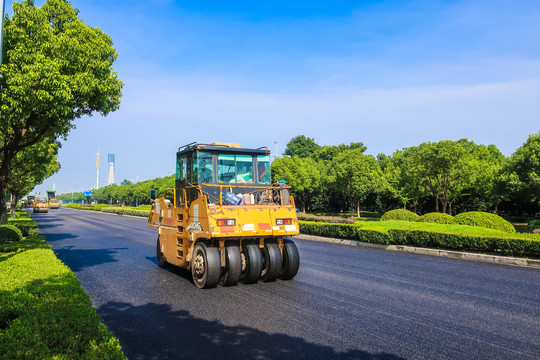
(225, 221)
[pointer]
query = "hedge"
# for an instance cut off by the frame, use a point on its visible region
(44, 312)
(9, 234)
(123, 211)
(484, 219)
(400, 214)
(502, 244)
(329, 219)
(438, 218)
(26, 225)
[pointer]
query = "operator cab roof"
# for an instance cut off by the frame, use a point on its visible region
(221, 148)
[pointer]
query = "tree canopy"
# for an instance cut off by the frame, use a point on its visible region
(55, 69)
(301, 146)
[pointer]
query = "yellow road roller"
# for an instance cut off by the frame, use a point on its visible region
(224, 220)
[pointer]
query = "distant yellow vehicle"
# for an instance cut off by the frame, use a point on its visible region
(224, 220)
(53, 203)
(41, 205)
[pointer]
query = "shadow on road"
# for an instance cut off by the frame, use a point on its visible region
(77, 259)
(57, 237)
(155, 331)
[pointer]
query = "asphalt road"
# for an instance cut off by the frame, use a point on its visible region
(345, 303)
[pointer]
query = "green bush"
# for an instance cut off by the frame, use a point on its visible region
(502, 243)
(26, 225)
(535, 223)
(123, 211)
(327, 219)
(73, 206)
(483, 219)
(436, 217)
(9, 234)
(400, 214)
(44, 312)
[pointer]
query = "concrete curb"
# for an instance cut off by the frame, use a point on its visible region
(432, 252)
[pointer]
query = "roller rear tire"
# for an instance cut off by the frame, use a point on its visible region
(233, 271)
(159, 253)
(205, 266)
(252, 262)
(272, 262)
(291, 260)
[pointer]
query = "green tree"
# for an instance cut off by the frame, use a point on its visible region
(30, 167)
(358, 176)
(328, 152)
(55, 69)
(301, 146)
(525, 162)
(444, 168)
(301, 174)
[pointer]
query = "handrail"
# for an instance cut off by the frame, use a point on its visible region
(262, 188)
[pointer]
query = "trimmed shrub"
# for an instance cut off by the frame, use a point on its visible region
(484, 219)
(534, 223)
(122, 211)
(344, 231)
(436, 217)
(44, 312)
(400, 214)
(9, 233)
(327, 219)
(26, 225)
(507, 244)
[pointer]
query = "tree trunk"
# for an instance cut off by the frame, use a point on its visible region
(358, 207)
(437, 202)
(496, 208)
(3, 204)
(14, 201)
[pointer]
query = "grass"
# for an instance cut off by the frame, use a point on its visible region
(44, 312)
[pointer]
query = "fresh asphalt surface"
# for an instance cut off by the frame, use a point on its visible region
(345, 303)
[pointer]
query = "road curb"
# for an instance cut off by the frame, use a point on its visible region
(431, 252)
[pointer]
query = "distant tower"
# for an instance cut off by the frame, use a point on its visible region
(98, 162)
(111, 170)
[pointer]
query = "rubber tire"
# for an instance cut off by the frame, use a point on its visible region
(291, 260)
(253, 259)
(233, 269)
(159, 254)
(272, 262)
(211, 266)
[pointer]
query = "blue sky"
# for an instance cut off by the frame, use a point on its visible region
(391, 74)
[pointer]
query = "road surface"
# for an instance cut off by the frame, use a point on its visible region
(345, 303)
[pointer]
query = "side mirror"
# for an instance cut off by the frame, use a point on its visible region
(153, 194)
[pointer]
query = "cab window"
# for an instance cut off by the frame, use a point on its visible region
(263, 170)
(206, 172)
(235, 169)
